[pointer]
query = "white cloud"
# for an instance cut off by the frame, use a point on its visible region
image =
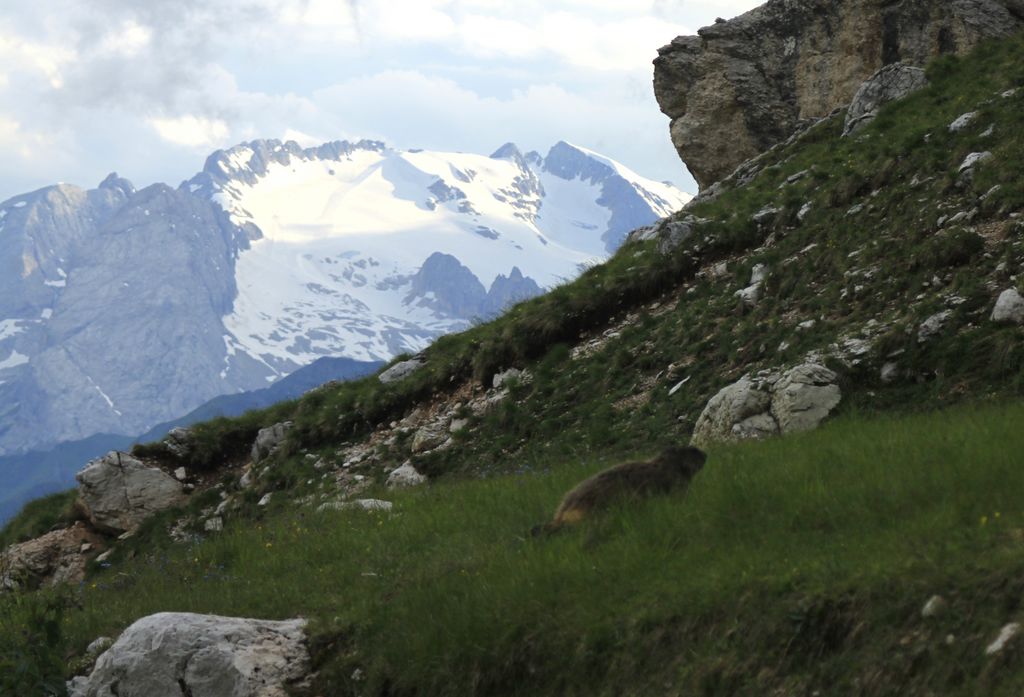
(192, 131)
(145, 87)
(128, 40)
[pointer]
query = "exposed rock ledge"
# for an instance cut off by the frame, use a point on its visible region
(739, 87)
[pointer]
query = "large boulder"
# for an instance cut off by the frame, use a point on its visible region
(267, 439)
(741, 86)
(117, 492)
(803, 397)
(769, 404)
(892, 82)
(400, 371)
(57, 557)
(200, 656)
(1009, 308)
(728, 414)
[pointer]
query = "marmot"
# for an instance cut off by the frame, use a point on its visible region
(671, 470)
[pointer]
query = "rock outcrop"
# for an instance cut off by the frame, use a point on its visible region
(201, 656)
(57, 557)
(740, 86)
(892, 82)
(769, 404)
(268, 439)
(117, 492)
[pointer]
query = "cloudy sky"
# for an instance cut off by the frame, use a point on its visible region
(150, 87)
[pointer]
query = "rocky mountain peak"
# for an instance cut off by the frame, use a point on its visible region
(570, 162)
(113, 182)
(743, 85)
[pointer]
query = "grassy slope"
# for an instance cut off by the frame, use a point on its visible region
(793, 565)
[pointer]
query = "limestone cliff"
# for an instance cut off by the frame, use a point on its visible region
(740, 86)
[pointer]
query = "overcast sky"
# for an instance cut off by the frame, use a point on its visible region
(151, 87)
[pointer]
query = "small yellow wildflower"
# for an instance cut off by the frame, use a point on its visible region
(984, 519)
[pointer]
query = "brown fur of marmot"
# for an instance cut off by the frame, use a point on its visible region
(671, 470)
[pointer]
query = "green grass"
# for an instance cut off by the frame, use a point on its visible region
(796, 562)
(39, 517)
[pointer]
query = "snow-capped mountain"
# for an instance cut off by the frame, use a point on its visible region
(365, 251)
(120, 308)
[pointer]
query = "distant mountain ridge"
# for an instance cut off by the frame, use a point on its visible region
(30, 475)
(124, 308)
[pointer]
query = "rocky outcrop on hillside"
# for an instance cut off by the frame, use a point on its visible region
(740, 86)
(201, 655)
(117, 492)
(769, 404)
(57, 557)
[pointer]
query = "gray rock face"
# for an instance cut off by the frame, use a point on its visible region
(765, 405)
(892, 82)
(740, 86)
(268, 439)
(450, 289)
(1009, 308)
(94, 288)
(933, 326)
(400, 370)
(117, 492)
(200, 656)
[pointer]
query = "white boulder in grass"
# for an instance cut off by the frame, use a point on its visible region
(177, 653)
(1009, 308)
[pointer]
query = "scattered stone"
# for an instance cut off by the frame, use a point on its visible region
(890, 372)
(405, 476)
(806, 325)
(752, 293)
(104, 556)
(935, 606)
(766, 216)
(892, 82)
(214, 524)
(268, 439)
(804, 211)
(974, 159)
(500, 379)
(1009, 308)
(1006, 635)
(201, 655)
(400, 371)
(963, 122)
(117, 492)
(428, 438)
(678, 386)
(458, 425)
(265, 500)
(1010, 93)
(179, 442)
(181, 474)
(933, 326)
(246, 480)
